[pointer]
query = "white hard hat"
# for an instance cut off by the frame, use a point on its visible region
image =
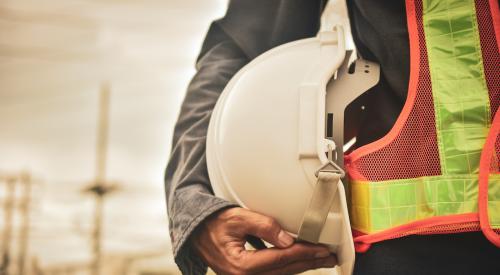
(267, 142)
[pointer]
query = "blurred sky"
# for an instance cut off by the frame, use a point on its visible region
(54, 55)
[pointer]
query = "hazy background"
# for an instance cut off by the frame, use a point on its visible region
(55, 57)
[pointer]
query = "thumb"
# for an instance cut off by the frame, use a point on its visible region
(267, 229)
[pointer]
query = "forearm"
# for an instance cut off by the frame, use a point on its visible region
(189, 194)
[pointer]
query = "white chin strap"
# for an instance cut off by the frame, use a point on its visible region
(315, 216)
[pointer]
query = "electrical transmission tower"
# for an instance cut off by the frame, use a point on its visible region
(8, 211)
(25, 180)
(9, 206)
(99, 188)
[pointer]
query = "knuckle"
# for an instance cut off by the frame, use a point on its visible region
(304, 251)
(237, 211)
(234, 216)
(269, 224)
(311, 252)
(231, 212)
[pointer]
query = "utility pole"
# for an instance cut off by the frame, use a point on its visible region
(25, 180)
(10, 182)
(99, 188)
(10, 203)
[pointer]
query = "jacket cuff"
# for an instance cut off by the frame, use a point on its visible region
(185, 256)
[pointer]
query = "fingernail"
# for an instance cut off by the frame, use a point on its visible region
(322, 254)
(285, 239)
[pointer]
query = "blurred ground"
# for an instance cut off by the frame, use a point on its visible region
(54, 57)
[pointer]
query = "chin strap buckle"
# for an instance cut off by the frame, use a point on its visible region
(331, 166)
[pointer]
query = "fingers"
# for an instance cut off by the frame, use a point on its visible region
(262, 260)
(266, 228)
(302, 266)
(220, 243)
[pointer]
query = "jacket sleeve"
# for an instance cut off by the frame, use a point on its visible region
(189, 194)
(248, 28)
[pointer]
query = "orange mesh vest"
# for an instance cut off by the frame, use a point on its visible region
(437, 170)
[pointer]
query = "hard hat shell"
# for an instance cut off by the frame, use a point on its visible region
(266, 137)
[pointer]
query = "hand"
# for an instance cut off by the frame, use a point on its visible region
(220, 242)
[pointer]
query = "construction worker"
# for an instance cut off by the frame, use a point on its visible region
(413, 41)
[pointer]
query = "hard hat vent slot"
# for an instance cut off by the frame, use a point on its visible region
(329, 125)
(352, 68)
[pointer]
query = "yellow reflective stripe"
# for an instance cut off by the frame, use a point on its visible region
(377, 206)
(493, 200)
(461, 100)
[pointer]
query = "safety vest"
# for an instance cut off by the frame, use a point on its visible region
(437, 170)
